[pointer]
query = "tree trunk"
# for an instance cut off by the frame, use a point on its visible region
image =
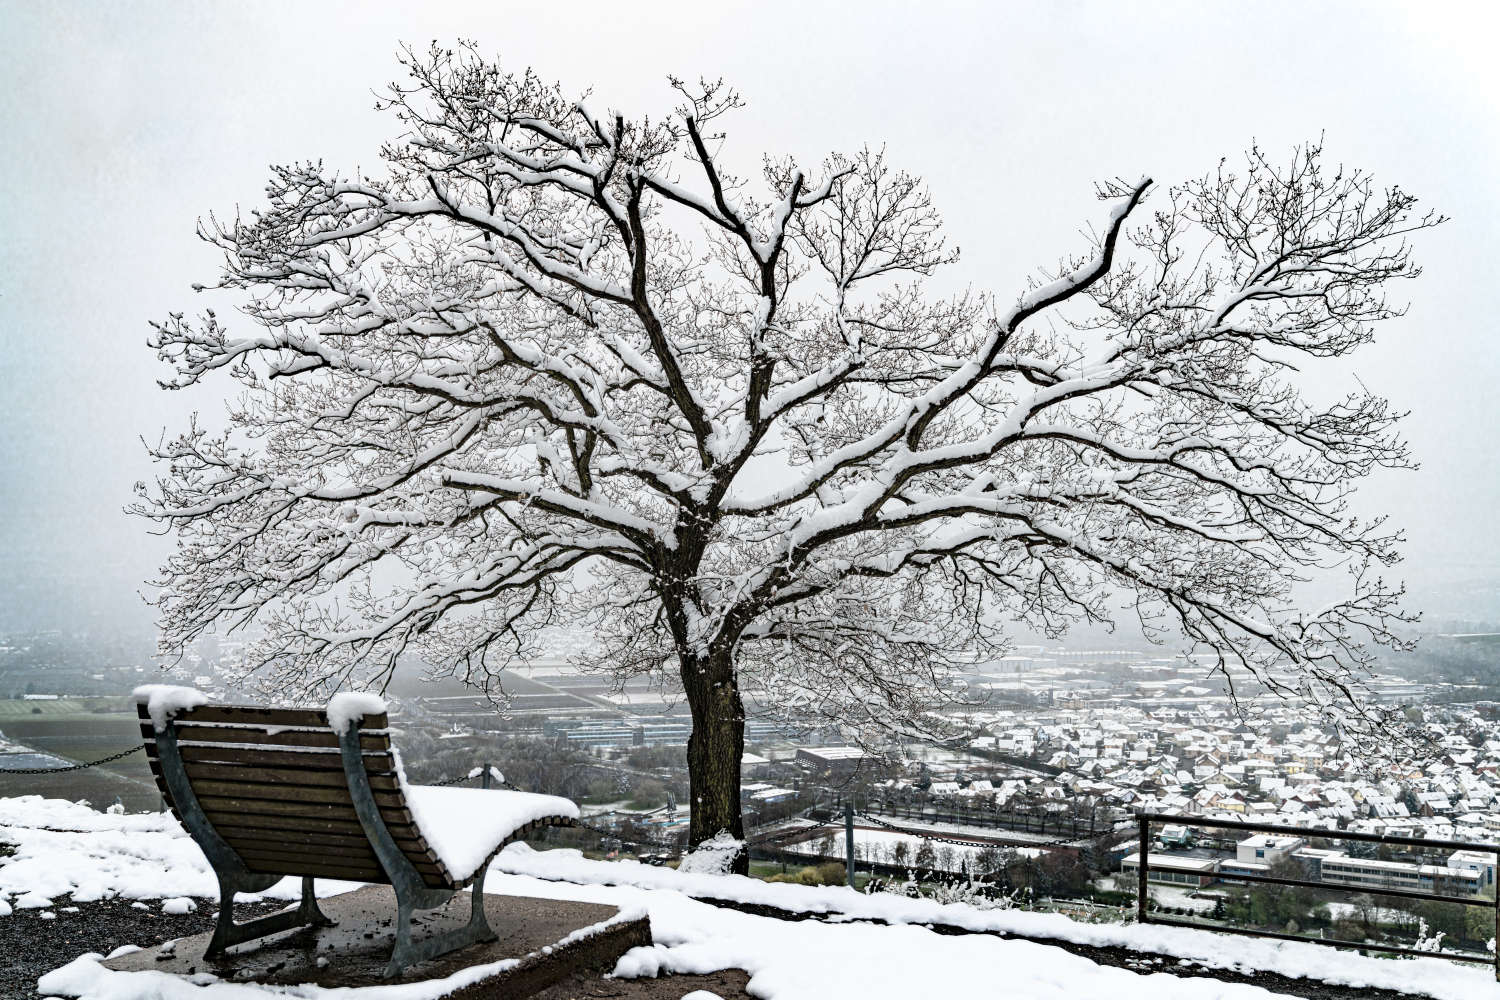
(714, 749)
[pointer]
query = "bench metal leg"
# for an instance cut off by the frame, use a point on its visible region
(308, 908)
(412, 891)
(408, 953)
(234, 876)
(228, 933)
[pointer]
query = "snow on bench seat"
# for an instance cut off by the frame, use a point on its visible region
(464, 826)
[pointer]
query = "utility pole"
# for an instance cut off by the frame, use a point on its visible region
(849, 841)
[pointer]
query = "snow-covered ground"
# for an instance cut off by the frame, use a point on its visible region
(1433, 977)
(879, 846)
(104, 855)
(1168, 895)
(1389, 914)
(146, 857)
(961, 830)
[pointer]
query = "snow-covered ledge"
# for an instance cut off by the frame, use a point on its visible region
(163, 701)
(352, 706)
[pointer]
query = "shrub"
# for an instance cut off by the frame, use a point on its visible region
(826, 874)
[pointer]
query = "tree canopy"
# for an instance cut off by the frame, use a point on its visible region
(553, 364)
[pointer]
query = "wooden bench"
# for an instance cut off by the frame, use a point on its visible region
(272, 792)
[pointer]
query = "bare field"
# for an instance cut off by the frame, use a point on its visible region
(18, 709)
(74, 730)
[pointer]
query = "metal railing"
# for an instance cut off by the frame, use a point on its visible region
(1145, 867)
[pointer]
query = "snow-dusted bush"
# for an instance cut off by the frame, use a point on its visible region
(976, 894)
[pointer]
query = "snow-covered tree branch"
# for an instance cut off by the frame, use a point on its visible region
(554, 362)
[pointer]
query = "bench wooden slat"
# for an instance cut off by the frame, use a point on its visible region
(337, 849)
(319, 868)
(318, 841)
(345, 853)
(227, 820)
(295, 871)
(292, 830)
(294, 816)
(313, 795)
(310, 718)
(375, 763)
(252, 843)
(303, 778)
(313, 810)
(312, 843)
(324, 739)
(270, 857)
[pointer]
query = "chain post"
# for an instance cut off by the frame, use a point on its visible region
(849, 841)
(1143, 847)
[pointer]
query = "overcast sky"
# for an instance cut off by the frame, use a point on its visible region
(121, 123)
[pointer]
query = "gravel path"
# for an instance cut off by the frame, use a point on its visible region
(33, 946)
(727, 985)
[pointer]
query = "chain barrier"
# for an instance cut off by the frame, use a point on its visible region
(504, 783)
(445, 782)
(928, 835)
(470, 776)
(776, 834)
(73, 767)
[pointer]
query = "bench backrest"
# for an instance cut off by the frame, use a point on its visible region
(271, 783)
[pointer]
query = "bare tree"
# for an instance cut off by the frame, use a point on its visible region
(551, 364)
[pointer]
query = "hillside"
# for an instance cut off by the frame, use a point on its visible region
(871, 946)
